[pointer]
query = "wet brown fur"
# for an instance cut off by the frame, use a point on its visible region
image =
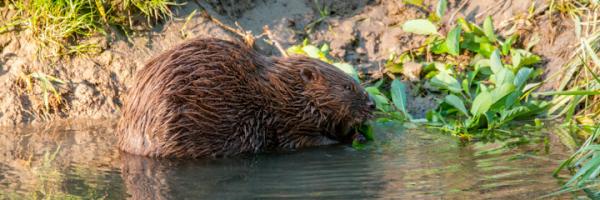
(212, 98)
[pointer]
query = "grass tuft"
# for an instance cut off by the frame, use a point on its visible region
(60, 26)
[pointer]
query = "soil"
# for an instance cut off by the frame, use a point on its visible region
(362, 32)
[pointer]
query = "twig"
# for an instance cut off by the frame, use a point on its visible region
(245, 35)
(277, 45)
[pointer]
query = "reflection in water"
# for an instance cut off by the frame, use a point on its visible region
(80, 160)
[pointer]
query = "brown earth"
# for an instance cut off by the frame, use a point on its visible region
(362, 32)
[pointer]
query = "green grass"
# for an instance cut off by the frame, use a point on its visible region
(585, 163)
(579, 84)
(61, 27)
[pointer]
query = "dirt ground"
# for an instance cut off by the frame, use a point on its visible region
(362, 32)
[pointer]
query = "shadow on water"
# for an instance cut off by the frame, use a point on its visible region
(80, 160)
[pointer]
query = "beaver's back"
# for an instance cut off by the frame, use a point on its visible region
(189, 101)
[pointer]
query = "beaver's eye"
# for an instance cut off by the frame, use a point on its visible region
(348, 87)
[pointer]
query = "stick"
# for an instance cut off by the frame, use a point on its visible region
(245, 35)
(277, 45)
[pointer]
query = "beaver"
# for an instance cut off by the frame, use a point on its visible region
(215, 98)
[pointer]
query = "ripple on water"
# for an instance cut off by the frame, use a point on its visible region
(80, 159)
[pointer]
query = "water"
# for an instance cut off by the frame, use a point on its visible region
(79, 160)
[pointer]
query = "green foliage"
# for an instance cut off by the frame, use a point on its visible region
(60, 25)
(322, 54)
(398, 92)
(420, 26)
(414, 2)
(441, 8)
(481, 90)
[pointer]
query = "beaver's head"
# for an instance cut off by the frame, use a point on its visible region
(339, 101)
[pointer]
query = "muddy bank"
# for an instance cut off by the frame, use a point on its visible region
(362, 32)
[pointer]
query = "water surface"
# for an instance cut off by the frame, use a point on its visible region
(79, 160)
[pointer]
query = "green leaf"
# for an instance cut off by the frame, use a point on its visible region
(382, 103)
(312, 51)
(465, 87)
(296, 49)
(469, 42)
(452, 41)
(521, 57)
(500, 92)
(486, 49)
(357, 145)
(504, 76)
(507, 45)
(398, 91)
(441, 8)
(325, 49)
(522, 76)
(508, 115)
(464, 24)
(439, 47)
(395, 68)
(367, 131)
(457, 103)
(419, 26)
(414, 2)
(305, 42)
(378, 83)
(488, 29)
(512, 98)
(348, 69)
(496, 62)
(445, 81)
(530, 59)
(574, 92)
(482, 63)
(482, 103)
(516, 59)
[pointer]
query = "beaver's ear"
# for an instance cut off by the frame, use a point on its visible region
(308, 75)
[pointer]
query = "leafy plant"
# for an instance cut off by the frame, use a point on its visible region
(322, 53)
(486, 81)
